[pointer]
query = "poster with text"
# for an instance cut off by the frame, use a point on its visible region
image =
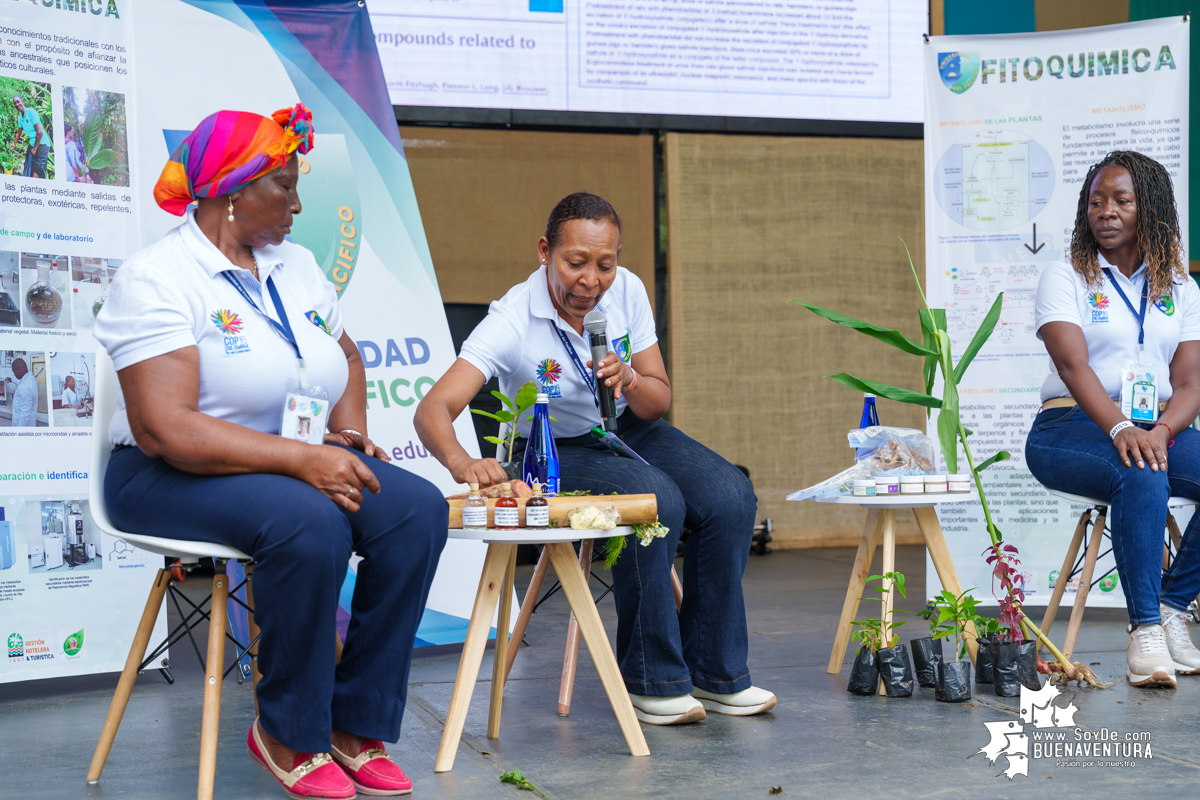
(1012, 125)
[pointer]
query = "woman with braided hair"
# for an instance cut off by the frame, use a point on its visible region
(1121, 323)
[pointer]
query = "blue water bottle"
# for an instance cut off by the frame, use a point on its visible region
(541, 455)
(869, 417)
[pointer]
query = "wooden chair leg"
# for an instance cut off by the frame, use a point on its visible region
(531, 598)
(214, 668)
(490, 581)
(1085, 583)
(889, 565)
(939, 553)
(571, 657)
(1064, 574)
(253, 633)
(1173, 527)
(337, 647)
(579, 596)
(858, 576)
(137, 651)
(677, 588)
(499, 658)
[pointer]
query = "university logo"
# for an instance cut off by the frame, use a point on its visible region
(226, 321)
(315, 319)
(622, 348)
(958, 70)
(16, 647)
(73, 643)
(1166, 305)
(548, 372)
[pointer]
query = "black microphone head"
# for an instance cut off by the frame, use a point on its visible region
(595, 322)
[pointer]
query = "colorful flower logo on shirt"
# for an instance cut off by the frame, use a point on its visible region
(1166, 305)
(315, 319)
(549, 371)
(291, 404)
(227, 321)
(1098, 300)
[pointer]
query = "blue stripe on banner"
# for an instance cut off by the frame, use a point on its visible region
(551, 6)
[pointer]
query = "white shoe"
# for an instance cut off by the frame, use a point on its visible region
(1179, 642)
(1148, 660)
(674, 710)
(739, 704)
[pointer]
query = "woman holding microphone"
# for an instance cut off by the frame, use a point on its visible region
(675, 666)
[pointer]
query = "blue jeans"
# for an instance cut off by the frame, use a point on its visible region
(301, 543)
(1068, 452)
(704, 646)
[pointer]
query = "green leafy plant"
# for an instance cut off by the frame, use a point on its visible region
(511, 416)
(874, 633)
(645, 532)
(989, 627)
(521, 782)
(951, 615)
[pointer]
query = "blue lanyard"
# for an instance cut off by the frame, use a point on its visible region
(283, 326)
(1141, 315)
(589, 379)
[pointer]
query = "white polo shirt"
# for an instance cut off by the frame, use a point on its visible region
(1111, 329)
(173, 295)
(517, 343)
(68, 398)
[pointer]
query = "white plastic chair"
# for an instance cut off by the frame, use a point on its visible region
(188, 552)
(1071, 565)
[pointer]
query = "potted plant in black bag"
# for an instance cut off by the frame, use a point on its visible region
(927, 651)
(989, 631)
(881, 657)
(954, 612)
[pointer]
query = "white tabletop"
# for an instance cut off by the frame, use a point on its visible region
(901, 500)
(536, 535)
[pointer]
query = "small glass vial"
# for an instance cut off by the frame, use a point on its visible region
(912, 484)
(474, 511)
(958, 484)
(935, 484)
(507, 516)
(537, 510)
(887, 485)
(864, 487)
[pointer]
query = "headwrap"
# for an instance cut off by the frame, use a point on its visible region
(227, 151)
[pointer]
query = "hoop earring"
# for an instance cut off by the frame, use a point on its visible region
(231, 209)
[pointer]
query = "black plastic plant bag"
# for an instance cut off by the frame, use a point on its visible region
(1027, 672)
(864, 675)
(926, 654)
(1005, 678)
(983, 661)
(954, 681)
(895, 670)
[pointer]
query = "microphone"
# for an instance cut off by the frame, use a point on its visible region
(595, 324)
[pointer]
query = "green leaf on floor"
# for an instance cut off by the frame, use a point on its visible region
(777, 790)
(521, 782)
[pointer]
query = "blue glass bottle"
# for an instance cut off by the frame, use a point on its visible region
(870, 417)
(541, 455)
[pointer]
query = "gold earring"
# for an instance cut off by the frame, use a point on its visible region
(231, 209)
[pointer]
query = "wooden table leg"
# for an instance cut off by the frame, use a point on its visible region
(1085, 583)
(935, 542)
(501, 655)
(531, 598)
(137, 651)
(1064, 574)
(579, 596)
(213, 671)
(490, 581)
(858, 576)
(571, 657)
(889, 565)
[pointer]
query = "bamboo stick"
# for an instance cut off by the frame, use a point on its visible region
(635, 509)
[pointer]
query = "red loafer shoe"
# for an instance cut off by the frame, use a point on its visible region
(372, 771)
(312, 774)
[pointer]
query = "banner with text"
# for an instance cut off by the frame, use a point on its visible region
(1012, 125)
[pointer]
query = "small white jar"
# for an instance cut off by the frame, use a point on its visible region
(864, 487)
(912, 484)
(935, 484)
(887, 485)
(958, 484)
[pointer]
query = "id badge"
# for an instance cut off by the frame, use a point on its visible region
(1139, 393)
(305, 412)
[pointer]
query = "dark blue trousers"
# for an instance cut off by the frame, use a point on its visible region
(662, 653)
(301, 542)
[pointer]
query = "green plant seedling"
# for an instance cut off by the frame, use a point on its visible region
(951, 614)
(874, 633)
(511, 416)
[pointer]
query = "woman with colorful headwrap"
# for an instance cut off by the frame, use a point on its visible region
(216, 331)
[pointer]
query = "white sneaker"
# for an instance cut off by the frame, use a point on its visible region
(739, 704)
(1148, 660)
(1179, 642)
(674, 710)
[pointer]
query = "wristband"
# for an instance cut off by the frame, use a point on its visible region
(351, 430)
(1170, 434)
(633, 382)
(1120, 426)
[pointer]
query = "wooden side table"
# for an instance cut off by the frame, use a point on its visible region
(881, 520)
(496, 584)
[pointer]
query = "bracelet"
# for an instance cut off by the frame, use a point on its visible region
(351, 430)
(1120, 426)
(632, 383)
(1170, 433)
